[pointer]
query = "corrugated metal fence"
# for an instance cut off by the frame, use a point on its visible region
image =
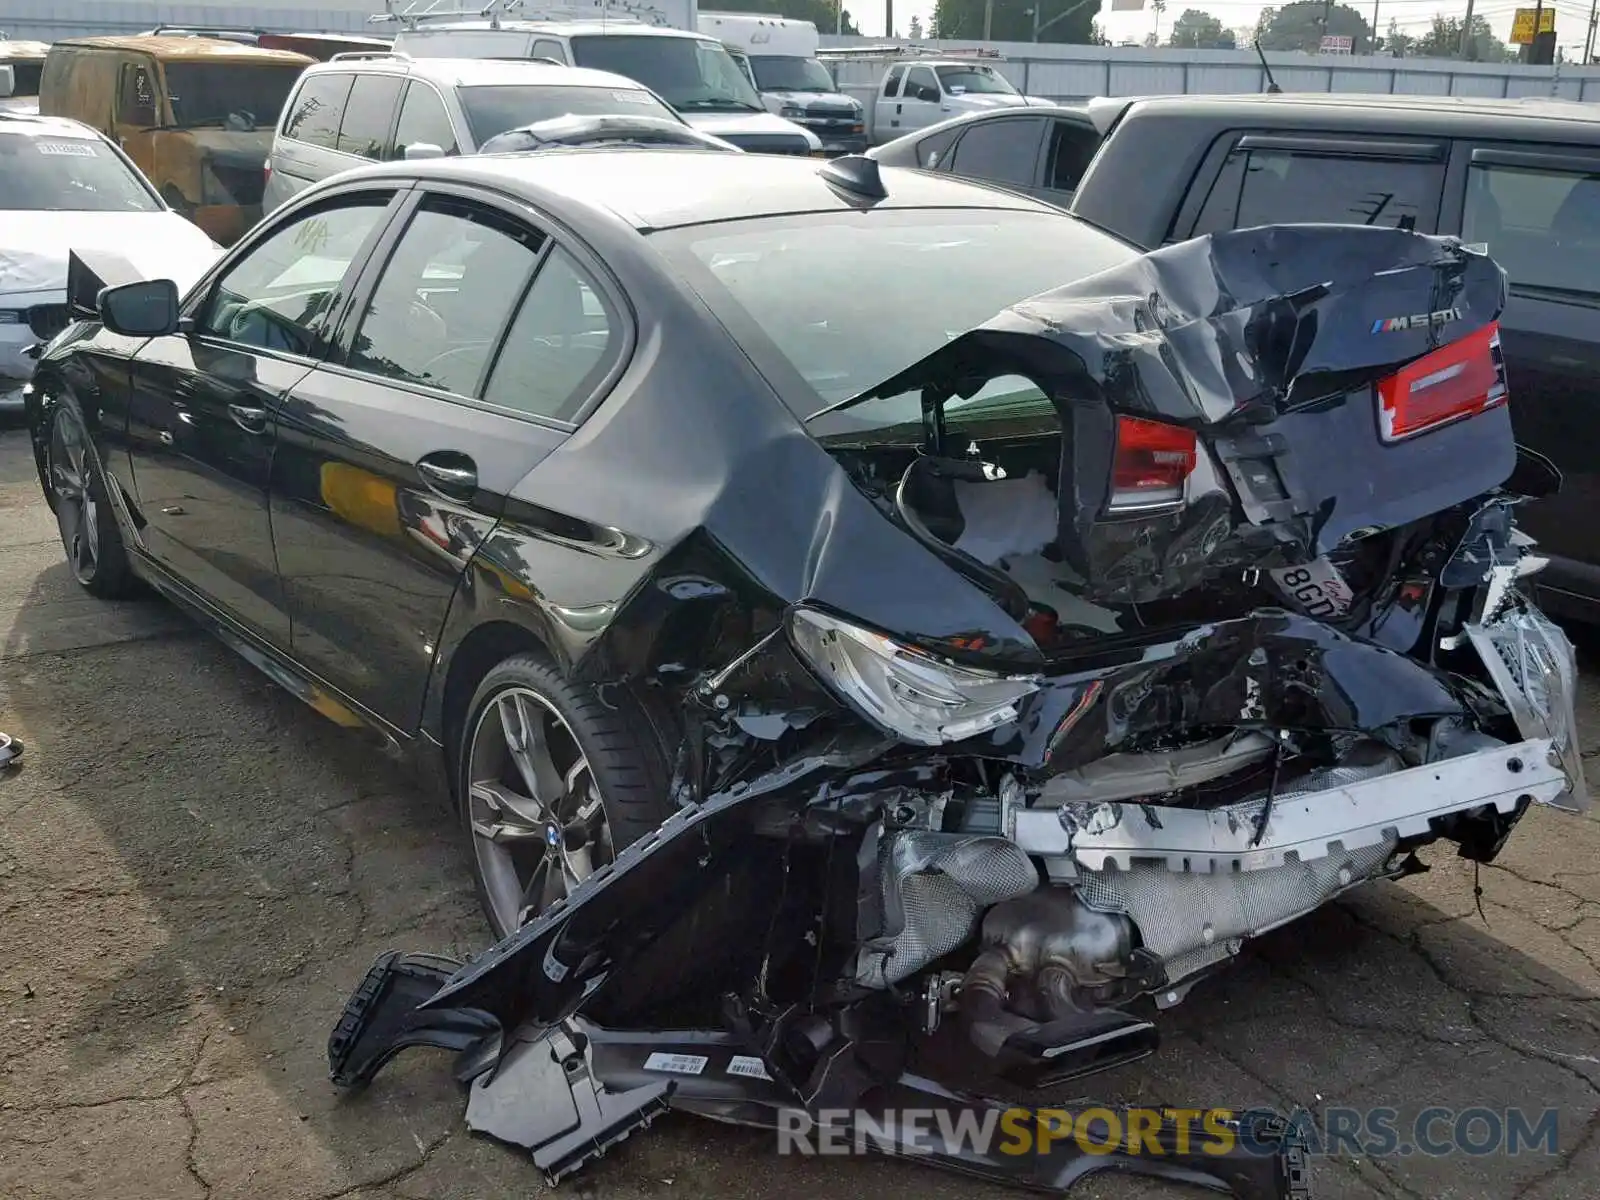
(47, 20)
(1078, 72)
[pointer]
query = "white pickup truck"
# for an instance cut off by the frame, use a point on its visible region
(914, 93)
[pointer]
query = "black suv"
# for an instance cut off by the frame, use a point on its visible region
(1520, 175)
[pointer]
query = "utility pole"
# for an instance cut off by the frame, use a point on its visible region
(1327, 15)
(1594, 30)
(838, 18)
(1035, 11)
(1374, 47)
(1538, 24)
(888, 18)
(1469, 44)
(988, 19)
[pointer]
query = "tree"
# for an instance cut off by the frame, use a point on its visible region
(1299, 26)
(821, 13)
(1443, 40)
(1196, 30)
(1397, 43)
(916, 28)
(1013, 20)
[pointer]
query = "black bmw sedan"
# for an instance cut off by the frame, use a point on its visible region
(506, 458)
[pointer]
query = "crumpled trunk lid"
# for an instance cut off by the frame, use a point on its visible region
(1271, 347)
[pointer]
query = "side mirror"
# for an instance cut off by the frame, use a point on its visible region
(148, 308)
(8, 81)
(423, 150)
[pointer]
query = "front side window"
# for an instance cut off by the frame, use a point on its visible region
(1541, 226)
(794, 284)
(317, 109)
(564, 339)
(1072, 146)
(495, 109)
(959, 80)
(278, 296)
(423, 122)
(236, 94)
(920, 85)
(1274, 187)
(1004, 150)
(691, 74)
(445, 296)
(67, 174)
(365, 127)
(545, 48)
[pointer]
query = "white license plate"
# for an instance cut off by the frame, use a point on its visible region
(1316, 588)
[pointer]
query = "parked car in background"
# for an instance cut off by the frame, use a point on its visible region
(693, 73)
(196, 114)
(917, 90)
(1522, 176)
(1042, 150)
(779, 55)
(26, 61)
(64, 185)
(372, 107)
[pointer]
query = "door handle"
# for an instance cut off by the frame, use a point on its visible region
(450, 474)
(248, 418)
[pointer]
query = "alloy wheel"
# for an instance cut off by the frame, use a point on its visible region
(539, 825)
(77, 513)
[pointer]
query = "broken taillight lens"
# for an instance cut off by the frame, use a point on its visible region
(1460, 380)
(1153, 461)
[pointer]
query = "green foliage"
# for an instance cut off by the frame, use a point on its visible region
(1299, 26)
(1196, 30)
(1013, 20)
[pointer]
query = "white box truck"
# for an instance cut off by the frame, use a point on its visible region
(782, 57)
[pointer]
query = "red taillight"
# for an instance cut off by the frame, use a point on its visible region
(1462, 379)
(1153, 461)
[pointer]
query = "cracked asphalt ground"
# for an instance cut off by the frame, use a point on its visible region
(195, 870)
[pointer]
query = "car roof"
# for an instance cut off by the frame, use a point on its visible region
(659, 189)
(560, 29)
(482, 72)
(34, 125)
(210, 49)
(1445, 116)
(12, 50)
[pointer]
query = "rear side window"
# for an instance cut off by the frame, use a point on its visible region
(444, 297)
(423, 121)
(364, 131)
(1005, 150)
(1271, 187)
(136, 100)
(891, 85)
(316, 109)
(1071, 148)
(1542, 226)
(562, 343)
(933, 152)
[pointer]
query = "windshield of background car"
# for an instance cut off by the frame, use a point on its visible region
(844, 301)
(252, 94)
(974, 79)
(25, 77)
(792, 75)
(492, 110)
(690, 74)
(47, 174)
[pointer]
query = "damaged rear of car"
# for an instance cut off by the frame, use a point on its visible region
(1228, 623)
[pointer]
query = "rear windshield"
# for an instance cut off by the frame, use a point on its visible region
(251, 95)
(45, 174)
(832, 304)
(974, 79)
(25, 77)
(492, 110)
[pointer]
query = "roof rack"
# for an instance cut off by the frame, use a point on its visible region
(894, 50)
(348, 55)
(225, 32)
(418, 11)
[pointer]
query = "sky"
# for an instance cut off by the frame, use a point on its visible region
(1414, 16)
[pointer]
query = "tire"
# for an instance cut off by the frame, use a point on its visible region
(620, 767)
(85, 518)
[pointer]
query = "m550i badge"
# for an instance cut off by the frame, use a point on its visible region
(1418, 321)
